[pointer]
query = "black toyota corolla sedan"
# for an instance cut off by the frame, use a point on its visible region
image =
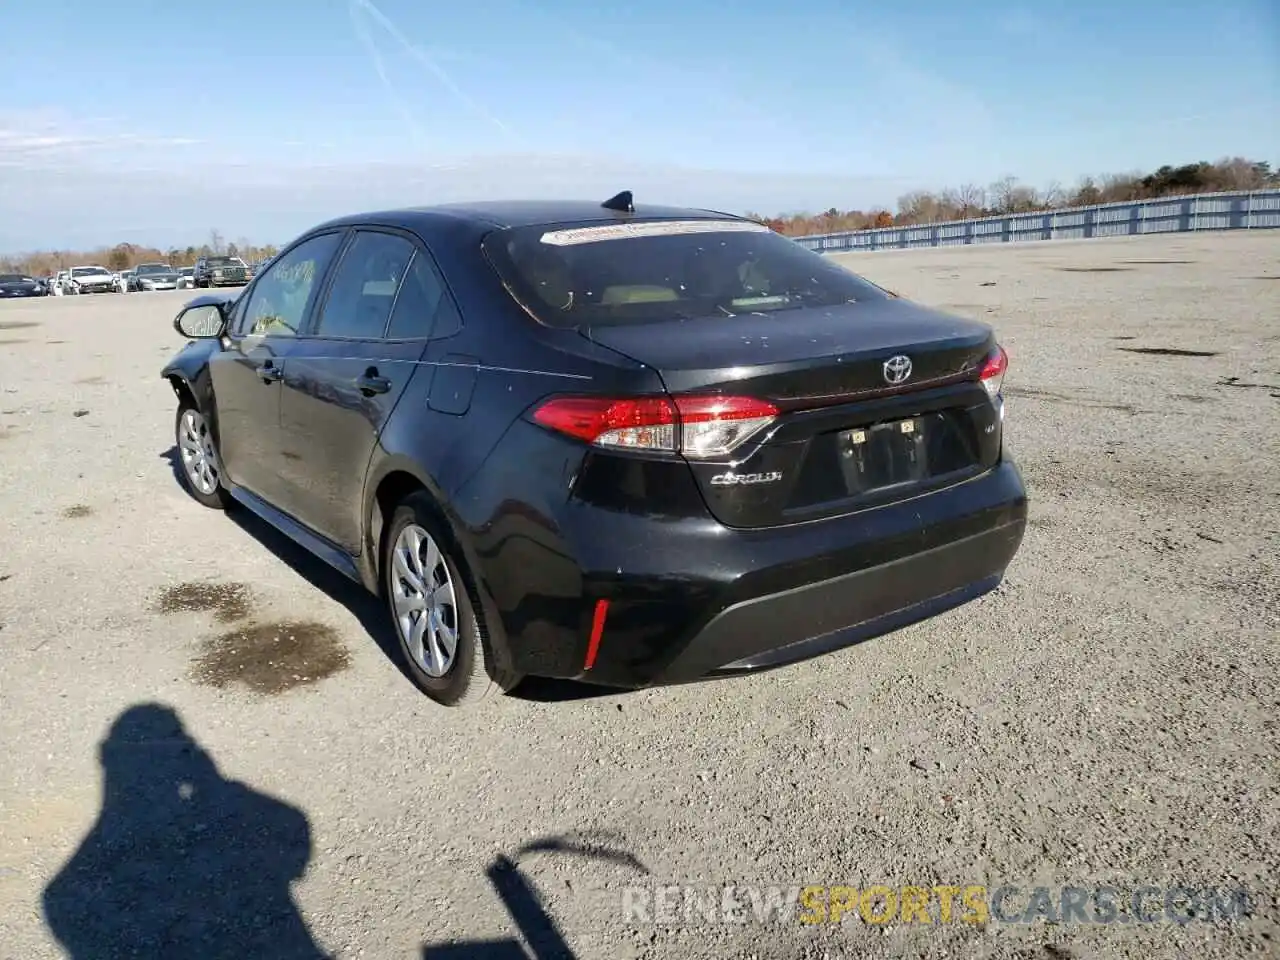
(634, 446)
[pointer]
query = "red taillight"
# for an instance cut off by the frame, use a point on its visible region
(993, 370)
(713, 426)
(644, 422)
(696, 425)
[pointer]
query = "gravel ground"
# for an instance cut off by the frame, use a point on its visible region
(1108, 717)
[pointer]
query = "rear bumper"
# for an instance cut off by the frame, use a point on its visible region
(692, 600)
(782, 628)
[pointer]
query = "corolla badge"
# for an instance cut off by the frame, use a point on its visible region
(897, 369)
(731, 479)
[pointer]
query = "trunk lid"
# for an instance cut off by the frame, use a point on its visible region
(850, 434)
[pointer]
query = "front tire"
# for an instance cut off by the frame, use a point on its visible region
(198, 458)
(444, 643)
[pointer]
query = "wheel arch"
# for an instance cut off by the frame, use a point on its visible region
(182, 389)
(398, 478)
(188, 376)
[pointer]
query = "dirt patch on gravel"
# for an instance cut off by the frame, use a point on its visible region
(1050, 396)
(228, 602)
(271, 658)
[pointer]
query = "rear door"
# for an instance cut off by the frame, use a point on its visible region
(247, 376)
(366, 342)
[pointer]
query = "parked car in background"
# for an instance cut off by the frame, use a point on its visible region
(62, 285)
(220, 272)
(186, 278)
(20, 285)
(594, 441)
(92, 279)
(154, 276)
(123, 281)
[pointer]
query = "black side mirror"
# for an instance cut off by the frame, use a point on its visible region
(201, 321)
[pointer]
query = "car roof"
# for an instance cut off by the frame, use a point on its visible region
(499, 214)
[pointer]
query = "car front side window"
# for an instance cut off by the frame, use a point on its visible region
(277, 305)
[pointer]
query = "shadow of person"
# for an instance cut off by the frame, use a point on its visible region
(181, 862)
(526, 908)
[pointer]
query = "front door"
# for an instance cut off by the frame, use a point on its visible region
(348, 373)
(247, 376)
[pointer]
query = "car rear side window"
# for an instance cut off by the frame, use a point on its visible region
(609, 273)
(279, 299)
(365, 286)
(419, 302)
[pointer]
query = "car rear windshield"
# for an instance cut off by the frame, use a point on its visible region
(87, 271)
(223, 262)
(153, 268)
(640, 271)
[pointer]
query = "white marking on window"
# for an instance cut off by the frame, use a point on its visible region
(653, 228)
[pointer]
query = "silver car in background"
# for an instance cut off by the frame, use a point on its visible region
(154, 276)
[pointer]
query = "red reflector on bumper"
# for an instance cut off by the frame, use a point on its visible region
(597, 630)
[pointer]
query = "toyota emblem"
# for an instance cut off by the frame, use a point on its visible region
(897, 369)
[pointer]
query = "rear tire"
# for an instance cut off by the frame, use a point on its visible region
(430, 601)
(198, 460)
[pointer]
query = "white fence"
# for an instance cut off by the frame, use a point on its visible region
(1241, 210)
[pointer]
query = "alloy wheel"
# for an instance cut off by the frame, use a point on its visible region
(196, 448)
(425, 601)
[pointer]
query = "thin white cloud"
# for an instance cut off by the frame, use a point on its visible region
(32, 140)
(354, 11)
(425, 59)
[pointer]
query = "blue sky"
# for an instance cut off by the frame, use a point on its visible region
(259, 119)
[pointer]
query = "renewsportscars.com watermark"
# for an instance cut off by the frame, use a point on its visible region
(975, 904)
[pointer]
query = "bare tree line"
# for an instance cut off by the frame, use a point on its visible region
(1009, 195)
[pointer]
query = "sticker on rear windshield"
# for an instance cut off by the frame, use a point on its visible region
(655, 228)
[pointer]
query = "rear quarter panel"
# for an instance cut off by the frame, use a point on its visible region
(493, 363)
(459, 430)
